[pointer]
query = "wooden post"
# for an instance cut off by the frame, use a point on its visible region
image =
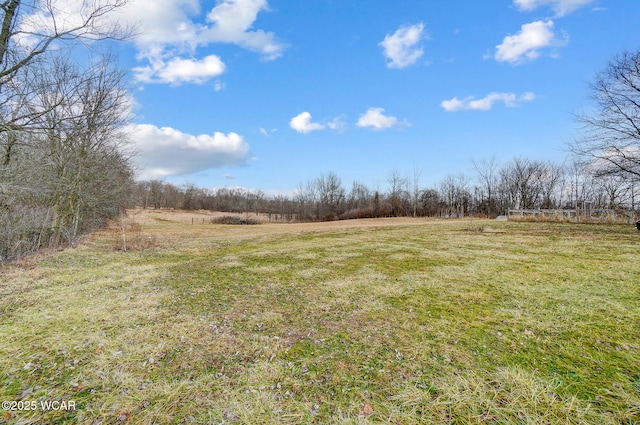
(124, 236)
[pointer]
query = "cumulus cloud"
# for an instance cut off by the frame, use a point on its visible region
(167, 33)
(230, 23)
(560, 7)
(172, 30)
(302, 123)
(165, 151)
(526, 44)
(486, 103)
(402, 48)
(178, 71)
(164, 23)
(375, 118)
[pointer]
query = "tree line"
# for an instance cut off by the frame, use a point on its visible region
(64, 167)
(491, 190)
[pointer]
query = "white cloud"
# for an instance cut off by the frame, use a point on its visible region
(218, 85)
(302, 123)
(231, 20)
(166, 151)
(166, 33)
(178, 71)
(337, 124)
(267, 133)
(526, 45)
(486, 103)
(166, 23)
(375, 118)
(560, 7)
(402, 47)
(170, 29)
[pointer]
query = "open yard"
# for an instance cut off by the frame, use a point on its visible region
(367, 321)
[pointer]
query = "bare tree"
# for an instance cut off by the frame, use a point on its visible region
(522, 182)
(359, 201)
(455, 194)
(46, 22)
(614, 191)
(633, 192)
(551, 177)
(306, 197)
(429, 202)
(398, 193)
(578, 185)
(488, 175)
(61, 145)
(415, 188)
(611, 140)
(331, 196)
(84, 143)
(29, 30)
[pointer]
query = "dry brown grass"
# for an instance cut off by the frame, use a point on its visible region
(355, 322)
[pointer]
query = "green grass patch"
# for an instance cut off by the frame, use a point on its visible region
(428, 322)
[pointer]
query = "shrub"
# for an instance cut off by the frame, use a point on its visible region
(24, 230)
(233, 219)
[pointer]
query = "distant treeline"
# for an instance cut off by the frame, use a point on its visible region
(493, 189)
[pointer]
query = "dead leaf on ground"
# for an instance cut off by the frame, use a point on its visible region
(367, 410)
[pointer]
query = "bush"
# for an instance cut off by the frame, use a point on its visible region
(233, 219)
(24, 230)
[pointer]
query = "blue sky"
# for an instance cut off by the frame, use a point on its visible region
(269, 94)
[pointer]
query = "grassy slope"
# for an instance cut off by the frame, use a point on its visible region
(428, 322)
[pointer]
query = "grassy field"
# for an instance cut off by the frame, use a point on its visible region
(370, 321)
